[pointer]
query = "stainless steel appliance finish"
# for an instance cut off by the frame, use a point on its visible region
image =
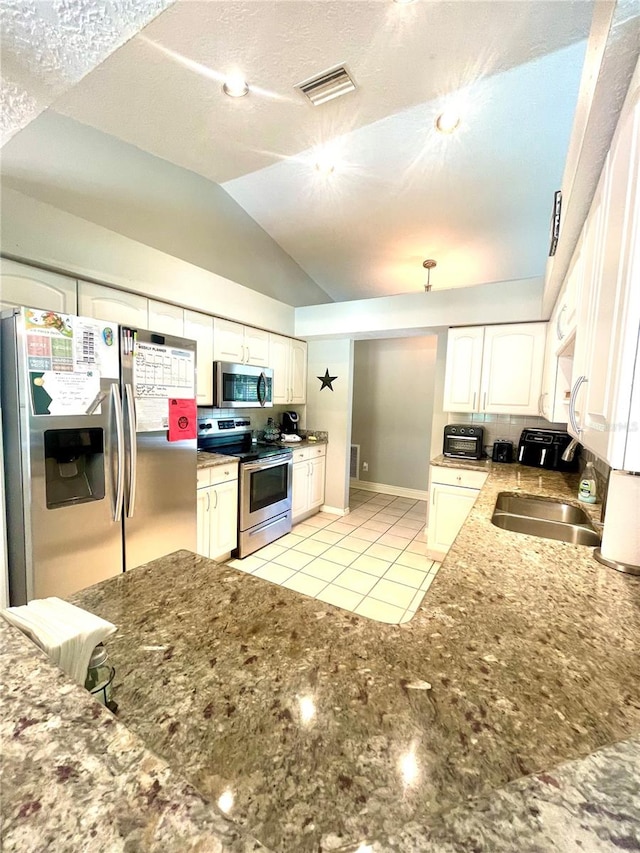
(242, 386)
(463, 441)
(546, 518)
(264, 501)
(87, 495)
(544, 448)
(265, 475)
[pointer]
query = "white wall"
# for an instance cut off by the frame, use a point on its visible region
(111, 183)
(40, 233)
(331, 411)
(393, 404)
(423, 313)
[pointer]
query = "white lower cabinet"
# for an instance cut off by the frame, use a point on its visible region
(217, 510)
(452, 493)
(21, 284)
(308, 480)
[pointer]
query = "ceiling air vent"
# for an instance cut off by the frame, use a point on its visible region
(327, 86)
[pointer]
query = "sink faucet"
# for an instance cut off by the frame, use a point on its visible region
(570, 450)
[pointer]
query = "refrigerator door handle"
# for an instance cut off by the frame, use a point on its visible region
(133, 453)
(117, 409)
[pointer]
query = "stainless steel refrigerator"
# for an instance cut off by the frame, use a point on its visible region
(93, 484)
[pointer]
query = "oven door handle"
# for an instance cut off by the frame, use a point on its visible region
(264, 465)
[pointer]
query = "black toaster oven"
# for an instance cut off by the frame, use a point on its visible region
(462, 441)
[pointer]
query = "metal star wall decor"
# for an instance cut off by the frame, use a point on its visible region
(326, 380)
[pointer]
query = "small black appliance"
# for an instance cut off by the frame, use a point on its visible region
(543, 448)
(463, 441)
(502, 451)
(290, 423)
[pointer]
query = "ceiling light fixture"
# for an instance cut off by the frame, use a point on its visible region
(447, 122)
(235, 86)
(429, 264)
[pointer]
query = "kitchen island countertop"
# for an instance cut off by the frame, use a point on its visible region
(325, 730)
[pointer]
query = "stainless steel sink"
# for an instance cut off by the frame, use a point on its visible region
(544, 517)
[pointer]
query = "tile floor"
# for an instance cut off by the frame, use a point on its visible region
(371, 561)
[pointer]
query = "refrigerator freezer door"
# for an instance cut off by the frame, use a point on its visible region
(160, 493)
(61, 469)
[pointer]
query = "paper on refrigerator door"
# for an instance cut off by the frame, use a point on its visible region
(160, 372)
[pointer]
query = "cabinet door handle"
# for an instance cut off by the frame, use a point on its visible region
(208, 501)
(215, 506)
(572, 403)
(559, 333)
(473, 408)
(248, 355)
(484, 401)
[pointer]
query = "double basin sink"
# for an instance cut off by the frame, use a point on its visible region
(544, 517)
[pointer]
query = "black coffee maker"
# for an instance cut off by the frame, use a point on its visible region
(290, 423)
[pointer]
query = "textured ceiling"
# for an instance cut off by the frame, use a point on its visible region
(48, 45)
(479, 201)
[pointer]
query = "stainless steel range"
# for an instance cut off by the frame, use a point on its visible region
(264, 501)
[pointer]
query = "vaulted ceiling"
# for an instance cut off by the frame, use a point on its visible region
(478, 200)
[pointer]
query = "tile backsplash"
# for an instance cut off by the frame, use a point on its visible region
(502, 427)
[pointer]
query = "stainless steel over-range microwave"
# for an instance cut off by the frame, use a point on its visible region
(241, 386)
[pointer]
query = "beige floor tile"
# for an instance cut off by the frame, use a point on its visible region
(352, 543)
(339, 527)
(305, 584)
(385, 517)
(380, 611)
(383, 552)
(393, 593)
(313, 547)
(372, 524)
(406, 575)
(249, 564)
(270, 551)
(417, 600)
(289, 540)
(365, 533)
(323, 569)
(415, 561)
(328, 536)
(402, 503)
(342, 556)
(393, 511)
(426, 583)
(415, 547)
(412, 523)
(303, 530)
(293, 559)
(274, 573)
(362, 514)
(404, 532)
(393, 541)
(421, 536)
(340, 597)
(355, 581)
(371, 565)
(350, 521)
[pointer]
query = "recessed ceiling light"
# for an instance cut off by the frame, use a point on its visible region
(235, 86)
(448, 121)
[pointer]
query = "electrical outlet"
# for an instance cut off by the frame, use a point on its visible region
(365, 466)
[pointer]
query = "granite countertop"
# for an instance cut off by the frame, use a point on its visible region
(324, 730)
(75, 778)
(212, 460)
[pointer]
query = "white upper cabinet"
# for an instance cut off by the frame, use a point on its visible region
(199, 328)
(288, 359)
(21, 284)
(166, 319)
(605, 404)
(115, 306)
(242, 344)
(463, 369)
(495, 369)
(512, 366)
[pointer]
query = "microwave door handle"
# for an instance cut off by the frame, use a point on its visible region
(262, 382)
(116, 403)
(133, 451)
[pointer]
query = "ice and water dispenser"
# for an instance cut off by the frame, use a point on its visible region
(74, 466)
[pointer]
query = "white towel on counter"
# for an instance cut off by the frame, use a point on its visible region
(65, 632)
